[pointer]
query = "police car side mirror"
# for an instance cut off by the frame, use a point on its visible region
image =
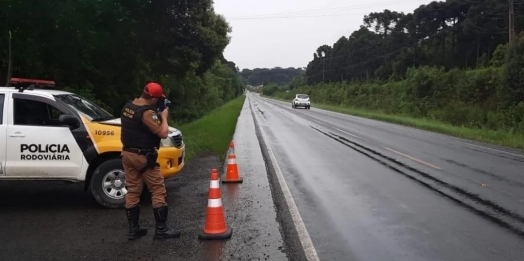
(69, 120)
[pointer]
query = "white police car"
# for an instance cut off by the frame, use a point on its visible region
(57, 135)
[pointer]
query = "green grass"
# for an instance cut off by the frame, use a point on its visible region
(214, 131)
(497, 137)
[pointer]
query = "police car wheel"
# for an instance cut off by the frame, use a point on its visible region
(108, 184)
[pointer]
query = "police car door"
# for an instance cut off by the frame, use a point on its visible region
(3, 129)
(38, 145)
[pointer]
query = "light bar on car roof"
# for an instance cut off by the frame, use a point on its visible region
(22, 84)
(34, 81)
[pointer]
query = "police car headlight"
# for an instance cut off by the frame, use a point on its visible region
(166, 143)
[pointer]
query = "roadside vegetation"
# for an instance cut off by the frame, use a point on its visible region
(447, 67)
(214, 131)
(108, 50)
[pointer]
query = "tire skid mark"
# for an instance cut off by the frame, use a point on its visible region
(373, 142)
(483, 207)
(513, 156)
(261, 112)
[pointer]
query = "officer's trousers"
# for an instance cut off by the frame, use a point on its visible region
(133, 163)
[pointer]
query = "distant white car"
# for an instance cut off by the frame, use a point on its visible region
(301, 100)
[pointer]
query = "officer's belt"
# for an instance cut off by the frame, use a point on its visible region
(138, 151)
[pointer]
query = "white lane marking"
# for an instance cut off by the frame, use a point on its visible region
(413, 158)
(303, 235)
(319, 122)
(507, 152)
(350, 134)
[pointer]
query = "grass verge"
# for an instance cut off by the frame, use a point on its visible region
(214, 131)
(497, 137)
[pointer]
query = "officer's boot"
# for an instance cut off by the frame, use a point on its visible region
(135, 230)
(162, 231)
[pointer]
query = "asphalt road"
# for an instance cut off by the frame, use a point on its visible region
(368, 190)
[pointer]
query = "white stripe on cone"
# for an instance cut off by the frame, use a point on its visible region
(214, 184)
(214, 202)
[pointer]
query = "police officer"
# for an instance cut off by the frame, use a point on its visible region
(142, 129)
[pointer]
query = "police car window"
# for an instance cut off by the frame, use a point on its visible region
(88, 109)
(35, 113)
(54, 113)
(2, 96)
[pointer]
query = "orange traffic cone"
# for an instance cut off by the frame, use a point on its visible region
(232, 171)
(215, 227)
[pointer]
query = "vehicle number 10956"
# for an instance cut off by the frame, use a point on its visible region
(104, 132)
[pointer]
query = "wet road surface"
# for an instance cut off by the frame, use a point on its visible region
(369, 190)
(57, 221)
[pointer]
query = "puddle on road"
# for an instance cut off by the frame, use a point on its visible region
(213, 250)
(231, 193)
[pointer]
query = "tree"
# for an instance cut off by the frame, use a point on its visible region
(278, 75)
(452, 34)
(112, 48)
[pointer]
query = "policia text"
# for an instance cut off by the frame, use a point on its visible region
(44, 152)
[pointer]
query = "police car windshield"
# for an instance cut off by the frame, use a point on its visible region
(88, 109)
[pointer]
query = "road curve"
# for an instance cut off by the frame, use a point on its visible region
(369, 190)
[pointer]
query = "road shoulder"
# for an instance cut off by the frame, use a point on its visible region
(298, 242)
(249, 205)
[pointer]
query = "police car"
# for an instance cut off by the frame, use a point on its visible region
(48, 134)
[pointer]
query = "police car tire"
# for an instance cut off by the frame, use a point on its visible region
(96, 181)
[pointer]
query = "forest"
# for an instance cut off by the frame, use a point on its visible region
(263, 76)
(107, 50)
(453, 61)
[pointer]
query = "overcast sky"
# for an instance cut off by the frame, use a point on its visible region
(286, 33)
